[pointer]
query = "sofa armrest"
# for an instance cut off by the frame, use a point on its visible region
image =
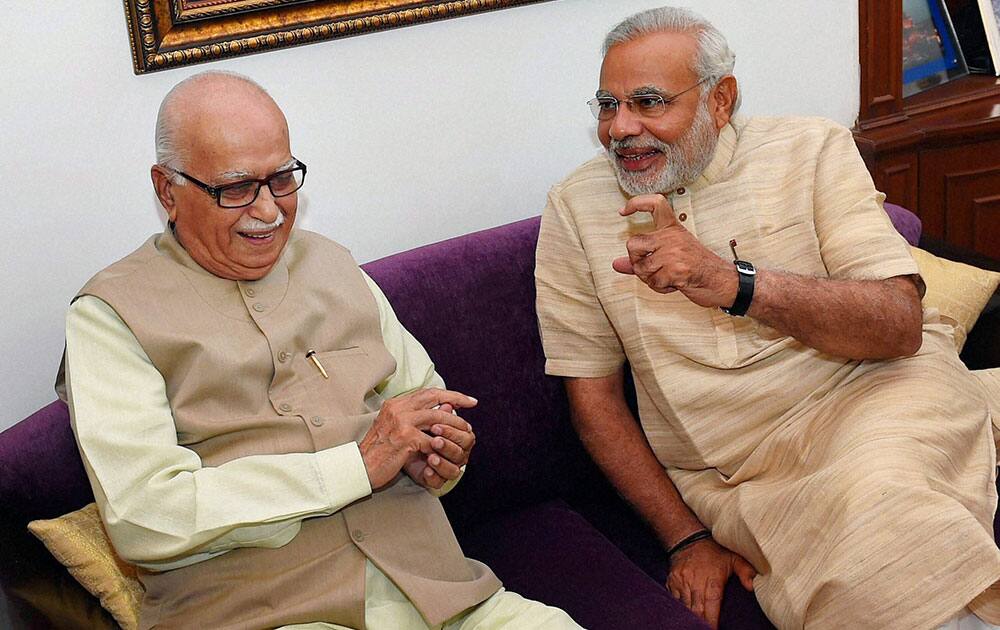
(982, 347)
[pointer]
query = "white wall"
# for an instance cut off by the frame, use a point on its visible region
(411, 135)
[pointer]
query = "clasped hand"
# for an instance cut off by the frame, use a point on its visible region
(419, 434)
(671, 259)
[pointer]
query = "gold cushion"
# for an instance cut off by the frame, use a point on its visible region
(78, 541)
(958, 291)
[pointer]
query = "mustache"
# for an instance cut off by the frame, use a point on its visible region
(633, 142)
(256, 225)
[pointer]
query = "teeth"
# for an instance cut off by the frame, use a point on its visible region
(258, 236)
(640, 156)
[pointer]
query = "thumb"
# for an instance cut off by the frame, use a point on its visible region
(663, 216)
(745, 572)
(622, 265)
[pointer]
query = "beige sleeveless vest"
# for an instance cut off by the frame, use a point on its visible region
(233, 358)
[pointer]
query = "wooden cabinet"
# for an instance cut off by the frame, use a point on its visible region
(937, 152)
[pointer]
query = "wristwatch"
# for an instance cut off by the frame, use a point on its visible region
(744, 295)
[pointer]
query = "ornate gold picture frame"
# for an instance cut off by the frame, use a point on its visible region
(170, 33)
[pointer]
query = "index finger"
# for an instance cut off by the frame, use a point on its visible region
(435, 397)
(712, 594)
(656, 205)
(425, 419)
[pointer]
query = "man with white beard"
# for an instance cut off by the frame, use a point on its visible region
(802, 424)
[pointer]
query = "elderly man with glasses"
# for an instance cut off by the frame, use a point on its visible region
(802, 424)
(264, 439)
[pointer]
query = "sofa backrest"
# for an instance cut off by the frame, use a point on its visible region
(41, 474)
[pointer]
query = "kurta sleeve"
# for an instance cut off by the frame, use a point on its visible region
(577, 337)
(856, 237)
(162, 508)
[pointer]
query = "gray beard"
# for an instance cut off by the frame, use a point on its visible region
(686, 158)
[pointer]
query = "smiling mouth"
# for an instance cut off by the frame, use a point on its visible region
(638, 158)
(257, 236)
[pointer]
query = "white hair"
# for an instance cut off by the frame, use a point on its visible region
(168, 154)
(713, 60)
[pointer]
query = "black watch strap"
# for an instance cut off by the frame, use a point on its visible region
(744, 295)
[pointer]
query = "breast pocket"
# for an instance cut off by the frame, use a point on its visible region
(339, 382)
(793, 248)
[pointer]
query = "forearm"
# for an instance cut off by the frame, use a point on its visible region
(158, 501)
(617, 444)
(184, 515)
(859, 319)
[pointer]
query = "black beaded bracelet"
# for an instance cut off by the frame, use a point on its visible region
(701, 534)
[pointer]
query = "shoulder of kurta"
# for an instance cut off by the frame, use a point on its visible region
(306, 238)
(793, 136)
(138, 261)
(596, 171)
(303, 243)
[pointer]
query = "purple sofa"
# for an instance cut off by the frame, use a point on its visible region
(532, 505)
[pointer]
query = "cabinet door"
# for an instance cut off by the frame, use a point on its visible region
(961, 185)
(896, 176)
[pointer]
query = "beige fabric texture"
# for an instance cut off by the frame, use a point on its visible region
(958, 291)
(862, 491)
(78, 541)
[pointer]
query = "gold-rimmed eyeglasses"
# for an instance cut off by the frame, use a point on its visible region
(646, 104)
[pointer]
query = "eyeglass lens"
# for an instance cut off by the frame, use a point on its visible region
(647, 105)
(244, 193)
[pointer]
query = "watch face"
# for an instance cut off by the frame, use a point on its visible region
(745, 267)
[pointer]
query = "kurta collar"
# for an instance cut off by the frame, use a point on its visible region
(725, 148)
(212, 287)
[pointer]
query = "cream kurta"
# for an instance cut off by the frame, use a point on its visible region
(863, 492)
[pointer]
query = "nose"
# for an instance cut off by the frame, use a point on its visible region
(265, 207)
(625, 124)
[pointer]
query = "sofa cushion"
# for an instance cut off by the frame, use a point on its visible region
(550, 553)
(905, 222)
(957, 290)
(79, 542)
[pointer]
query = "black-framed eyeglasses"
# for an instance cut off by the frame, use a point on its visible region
(243, 193)
(646, 104)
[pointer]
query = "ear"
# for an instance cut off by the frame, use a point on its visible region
(164, 190)
(722, 100)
